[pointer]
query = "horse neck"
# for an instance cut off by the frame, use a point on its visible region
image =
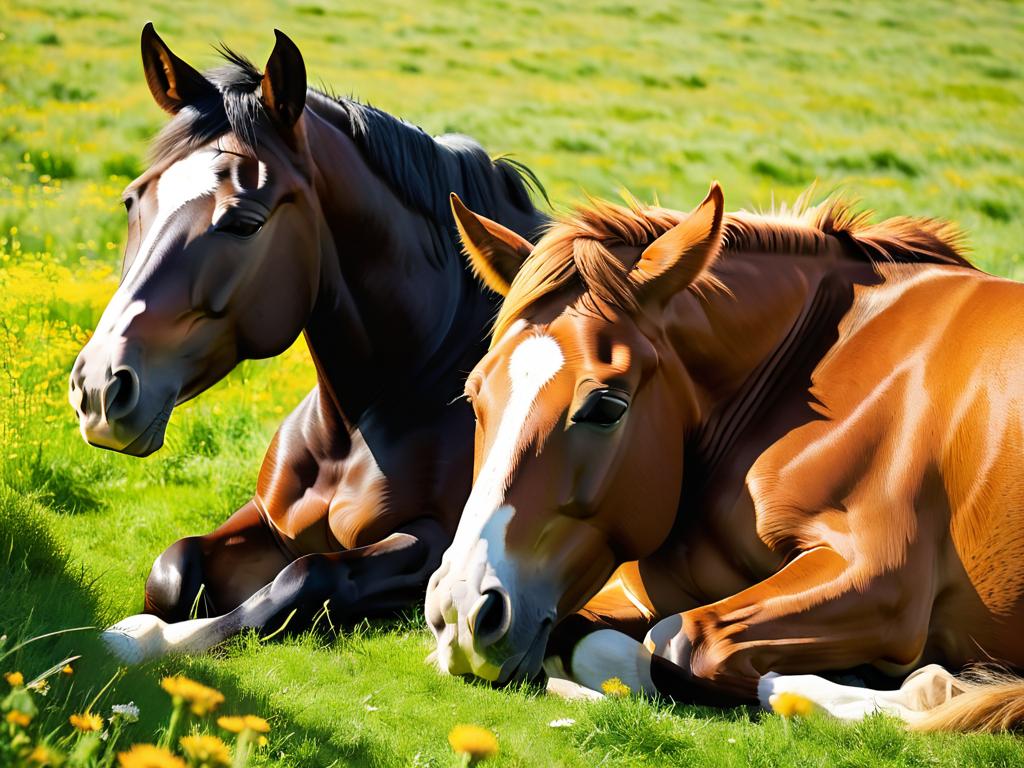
(391, 296)
(778, 313)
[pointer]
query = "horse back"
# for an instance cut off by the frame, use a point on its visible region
(914, 464)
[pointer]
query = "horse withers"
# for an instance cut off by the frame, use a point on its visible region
(272, 210)
(792, 441)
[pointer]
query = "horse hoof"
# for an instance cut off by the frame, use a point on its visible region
(135, 639)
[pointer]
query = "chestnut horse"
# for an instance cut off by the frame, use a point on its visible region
(795, 440)
(272, 210)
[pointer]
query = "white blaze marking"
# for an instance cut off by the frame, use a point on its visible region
(532, 365)
(116, 324)
(190, 178)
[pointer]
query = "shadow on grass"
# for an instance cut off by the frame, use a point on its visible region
(43, 593)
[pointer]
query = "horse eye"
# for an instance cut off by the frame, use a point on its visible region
(602, 408)
(239, 227)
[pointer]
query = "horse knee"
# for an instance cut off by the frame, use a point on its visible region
(667, 639)
(175, 580)
(309, 582)
(698, 644)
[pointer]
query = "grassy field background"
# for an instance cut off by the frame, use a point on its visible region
(916, 110)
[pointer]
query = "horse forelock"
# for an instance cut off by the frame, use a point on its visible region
(238, 111)
(577, 250)
(420, 169)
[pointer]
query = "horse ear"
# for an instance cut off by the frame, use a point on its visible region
(495, 252)
(283, 90)
(679, 256)
(173, 83)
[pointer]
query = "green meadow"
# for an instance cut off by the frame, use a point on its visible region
(914, 109)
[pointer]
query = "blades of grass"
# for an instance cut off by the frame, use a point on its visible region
(282, 628)
(194, 611)
(21, 645)
(52, 670)
(116, 676)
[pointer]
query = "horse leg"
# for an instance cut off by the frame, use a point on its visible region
(817, 613)
(601, 641)
(376, 579)
(814, 614)
(220, 569)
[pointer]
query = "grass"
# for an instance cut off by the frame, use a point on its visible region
(914, 111)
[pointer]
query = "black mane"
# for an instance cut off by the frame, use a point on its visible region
(420, 169)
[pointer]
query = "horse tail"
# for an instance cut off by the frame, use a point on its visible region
(991, 701)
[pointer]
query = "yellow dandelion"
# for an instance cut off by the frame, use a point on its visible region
(149, 756)
(792, 705)
(202, 699)
(472, 740)
(207, 751)
(14, 679)
(86, 722)
(20, 719)
(67, 670)
(43, 755)
(244, 723)
(615, 688)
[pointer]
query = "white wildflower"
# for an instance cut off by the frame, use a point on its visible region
(563, 722)
(129, 713)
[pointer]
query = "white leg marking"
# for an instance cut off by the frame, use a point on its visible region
(561, 686)
(605, 654)
(850, 703)
(144, 637)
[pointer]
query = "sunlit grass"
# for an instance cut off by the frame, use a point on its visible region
(915, 110)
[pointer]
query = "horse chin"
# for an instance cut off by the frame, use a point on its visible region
(529, 666)
(147, 442)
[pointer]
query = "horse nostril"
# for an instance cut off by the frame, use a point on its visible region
(493, 618)
(121, 393)
(77, 398)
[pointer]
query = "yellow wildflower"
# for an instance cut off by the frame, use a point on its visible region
(792, 705)
(19, 719)
(244, 723)
(67, 670)
(148, 756)
(614, 687)
(206, 751)
(479, 743)
(86, 722)
(14, 679)
(43, 755)
(41, 687)
(202, 699)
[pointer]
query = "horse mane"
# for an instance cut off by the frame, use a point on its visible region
(420, 169)
(575, 253)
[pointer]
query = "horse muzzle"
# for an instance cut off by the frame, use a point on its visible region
(117, 408)
(484, 623)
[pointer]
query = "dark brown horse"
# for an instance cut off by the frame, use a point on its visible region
(271, 210)
(795, 440)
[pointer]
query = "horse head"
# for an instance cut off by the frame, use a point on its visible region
(222, 253)
(580, 420)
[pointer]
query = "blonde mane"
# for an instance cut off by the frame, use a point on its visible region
(576, 252)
